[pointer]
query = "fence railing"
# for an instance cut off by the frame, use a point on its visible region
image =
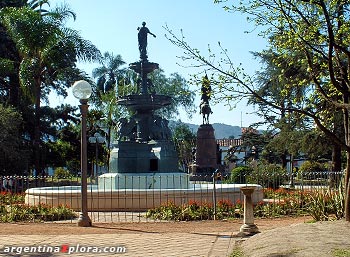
(51, 198)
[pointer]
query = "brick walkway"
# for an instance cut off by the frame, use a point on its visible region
(134, 243)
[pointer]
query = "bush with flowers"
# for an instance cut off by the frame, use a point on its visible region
(320, 204)
(194, 210)
(12, 209)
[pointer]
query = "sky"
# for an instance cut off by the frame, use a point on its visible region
(111, 25)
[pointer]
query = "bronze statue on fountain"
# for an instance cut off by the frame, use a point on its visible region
(142, 38)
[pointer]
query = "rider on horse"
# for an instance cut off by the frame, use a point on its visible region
(205, 109)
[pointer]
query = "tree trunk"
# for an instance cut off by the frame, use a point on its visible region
(338, 130)
(284, 160)
(14, 91)
(109, 136)
(336, 166)
(347, 171)
(37, 141)
(336, 158)
(347, 187)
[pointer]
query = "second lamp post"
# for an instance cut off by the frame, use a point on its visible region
(96, 139)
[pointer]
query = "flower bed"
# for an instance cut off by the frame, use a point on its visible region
(12, 209)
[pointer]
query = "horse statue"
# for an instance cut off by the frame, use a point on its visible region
(205, 110)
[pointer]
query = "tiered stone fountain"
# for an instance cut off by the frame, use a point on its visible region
(145, 151)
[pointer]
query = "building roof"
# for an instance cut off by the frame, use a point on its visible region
(229, 142)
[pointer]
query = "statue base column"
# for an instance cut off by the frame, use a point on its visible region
(248, 228)
(206, 154)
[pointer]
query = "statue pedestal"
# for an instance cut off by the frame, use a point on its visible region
(206, 154)
(248, 228)
(169, 180)
(134, 157)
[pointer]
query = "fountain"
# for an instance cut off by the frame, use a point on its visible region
(143, 163)
(144, 150)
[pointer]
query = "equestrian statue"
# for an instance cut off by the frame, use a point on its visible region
(204, 106)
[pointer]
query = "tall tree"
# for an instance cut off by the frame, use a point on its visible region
(108, 76)
(278, 75)
(109, 73)
(9, 62)
(185, 141)
(47, 49)
(178, 88)
(12, 155)
(312, 34)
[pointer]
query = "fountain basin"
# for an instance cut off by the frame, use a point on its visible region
(171, 180)
(149, 102)
(137, 199)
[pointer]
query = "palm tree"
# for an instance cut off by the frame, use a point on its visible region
(108, 76)
(46, 48)
(109, 73)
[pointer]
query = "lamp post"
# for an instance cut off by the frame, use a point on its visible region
(96, 139)
(82, 91)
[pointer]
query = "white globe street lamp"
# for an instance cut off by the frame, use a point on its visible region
(82, 90)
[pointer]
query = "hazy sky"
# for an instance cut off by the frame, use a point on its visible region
(112, 26)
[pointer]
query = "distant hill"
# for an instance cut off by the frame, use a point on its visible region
(221, 130)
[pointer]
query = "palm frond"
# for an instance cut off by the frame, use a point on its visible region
(116, 62)
(35, 4)
(85, 50)
(26, 74)
(99, 72)
(60, 14)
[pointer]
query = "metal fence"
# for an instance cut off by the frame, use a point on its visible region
(119, 203)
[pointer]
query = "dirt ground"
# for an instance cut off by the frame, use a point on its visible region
(279, 237)
(211, 226)
(320, 239)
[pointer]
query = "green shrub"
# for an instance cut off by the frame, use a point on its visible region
(268, 175)
(166, 211)
(225, 209)
(309, 169)
(311, 166)
(195, 211)
(41, 212)
(239, 175)
(11, 198)
(320, 204)
(12, 209)
(61, 172)
(324, 205)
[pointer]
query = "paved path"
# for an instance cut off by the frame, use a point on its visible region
(134, 244)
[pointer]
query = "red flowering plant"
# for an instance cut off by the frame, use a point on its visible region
(196, 211)
(226, 209)
(11, 198)
(13, 208)
(166, 211)
(239, 204)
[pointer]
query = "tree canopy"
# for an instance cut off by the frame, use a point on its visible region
(309, 41)
(12, 155)
(39, 55)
